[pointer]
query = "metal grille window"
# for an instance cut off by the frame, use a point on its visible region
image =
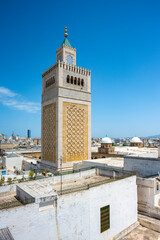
(105, 218)
(50, 81)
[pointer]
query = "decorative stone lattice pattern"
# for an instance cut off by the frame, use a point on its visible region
(75, 132)
(49, 132)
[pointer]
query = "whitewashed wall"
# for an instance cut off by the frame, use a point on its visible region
(9, 163)
(145, 189)
(76, 216)
(148, 191)
(142, 166)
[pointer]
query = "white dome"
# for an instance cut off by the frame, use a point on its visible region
(106, 140)
(136, 140)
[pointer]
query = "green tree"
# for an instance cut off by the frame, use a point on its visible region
(31, 174)
(9, 180)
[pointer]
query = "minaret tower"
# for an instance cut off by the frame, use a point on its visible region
(66, 110)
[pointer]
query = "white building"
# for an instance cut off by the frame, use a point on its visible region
(148, 183)
(136, 142)
(95, 204)
(12, 161)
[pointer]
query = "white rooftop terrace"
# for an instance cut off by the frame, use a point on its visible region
(66, 182)
(106, 162)
(134, 151)
(139, 152)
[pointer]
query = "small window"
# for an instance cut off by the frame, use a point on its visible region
(71, 80)
(68, 78)
(59, 59)
(75, 81)
(82, 83)
(69, 59)
(79, 81)
(50, 81)
(105, 218)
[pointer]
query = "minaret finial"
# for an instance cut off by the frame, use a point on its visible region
(66, 34)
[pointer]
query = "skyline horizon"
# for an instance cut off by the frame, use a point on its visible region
(105, 135)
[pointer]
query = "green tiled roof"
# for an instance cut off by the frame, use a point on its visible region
(66, 42)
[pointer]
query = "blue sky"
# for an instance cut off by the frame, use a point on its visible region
(118, 40)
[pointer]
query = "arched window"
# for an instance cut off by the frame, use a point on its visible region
(69, 59)
(71, 80)
(68, 78)
(82, 83)
(75, 81)
(79, 81)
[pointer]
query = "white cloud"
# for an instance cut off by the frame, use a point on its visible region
(7, 92)
(15, 101)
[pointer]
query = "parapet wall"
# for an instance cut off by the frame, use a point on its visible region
(69, 67)
(144, 167)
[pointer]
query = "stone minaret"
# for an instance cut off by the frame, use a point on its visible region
(66, 110)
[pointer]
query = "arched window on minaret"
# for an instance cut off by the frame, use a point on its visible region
(79, 81)
(82, 82)
(71, 79)
(68, 78)
(75, 81)
(69, 59)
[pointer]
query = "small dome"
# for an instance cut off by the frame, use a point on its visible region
(136, 140)
(106, 140)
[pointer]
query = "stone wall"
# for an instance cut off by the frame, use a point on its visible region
(97, 155)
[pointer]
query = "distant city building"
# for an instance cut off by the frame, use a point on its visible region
(66, 110)
(136, 142)
(159, 152)
(28, 133)
(37, 141)
(106, 150)
(106, 146)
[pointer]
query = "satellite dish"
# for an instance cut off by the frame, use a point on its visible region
(49, 187)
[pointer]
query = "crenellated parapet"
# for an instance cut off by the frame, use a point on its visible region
(68, 67)
(50, 69)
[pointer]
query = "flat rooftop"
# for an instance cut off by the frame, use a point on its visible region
(133, 151)
(108, 162)
(8, 200)
(139, 152)
(38, 189)
(142, 233)
(71, 181)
